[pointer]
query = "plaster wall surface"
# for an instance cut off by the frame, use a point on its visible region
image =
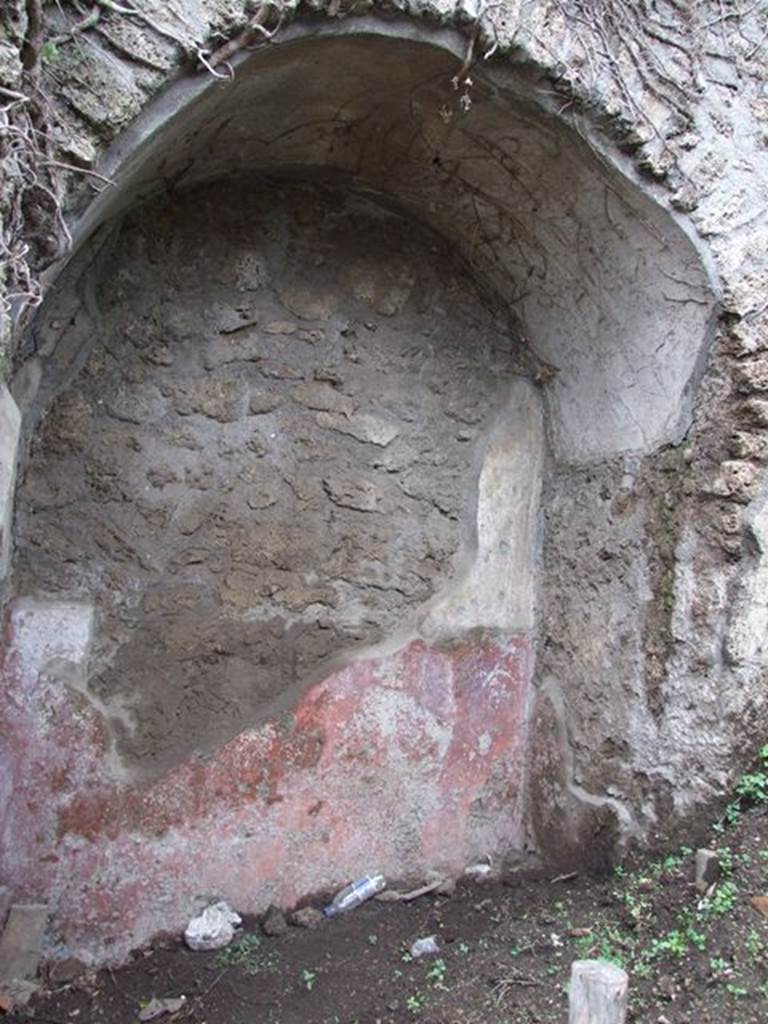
(601, 205)
(276, 452)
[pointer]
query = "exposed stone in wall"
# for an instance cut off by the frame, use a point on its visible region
(268, 455)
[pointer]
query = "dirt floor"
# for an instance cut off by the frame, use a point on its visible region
(506, 951)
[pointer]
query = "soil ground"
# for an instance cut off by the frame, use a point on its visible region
(506, 951)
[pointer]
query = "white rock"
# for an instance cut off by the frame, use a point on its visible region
(213, 929)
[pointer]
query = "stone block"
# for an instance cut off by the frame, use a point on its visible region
(707, 869)
(751, 375)
(737, 480)
(745, 445)
(307, 917)
(21, 942)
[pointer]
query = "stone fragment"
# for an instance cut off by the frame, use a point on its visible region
(745, 445)
(427, 946)
(307, 917)
(280, 371)
(17, 993)
(280, 327)
(707, 869)
(191, 556)
(239, 589)
(730, 522)
(191, 519)
(319, 396)
(312, 337)
(160, 1007)
(157, 355)
(21, 941)
(756, 410)
(737, 480)
(349, 492)
(259, 498)
(216, 399)
(214, 928)
(274, 923)
(134, 405)
(749, 336)
(262, 402)
(307, 302)
(161, 476)
(751, 375)
(250, 272)
(62, 972)
(364, 427)
(300, 596)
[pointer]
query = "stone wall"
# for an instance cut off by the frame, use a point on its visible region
(603, 180)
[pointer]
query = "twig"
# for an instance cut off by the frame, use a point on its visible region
(390, 896)
(78, 170)
(255, 27)
(568, 877)
(502, 987)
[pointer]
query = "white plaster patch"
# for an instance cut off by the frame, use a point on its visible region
(52, 632)
(10, 420)
(496, 590)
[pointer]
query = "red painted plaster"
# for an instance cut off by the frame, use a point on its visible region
(399, 763)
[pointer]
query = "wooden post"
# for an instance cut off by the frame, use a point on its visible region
(598, 993)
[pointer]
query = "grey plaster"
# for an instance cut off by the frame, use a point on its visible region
(613, 295)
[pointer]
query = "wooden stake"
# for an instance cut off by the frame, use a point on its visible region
(598, 993)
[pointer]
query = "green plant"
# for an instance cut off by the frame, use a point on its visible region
(722, 900)
(752, 788)
(696, 938)
(606, 944)
(735, 990)
(719, 966)
(416, 1002)
(436, 973)
(725, 859)
(754, 944)
(675, 944)
(308, 977)
(49, 51)
(246, 953)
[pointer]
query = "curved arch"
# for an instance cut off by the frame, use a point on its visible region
(615, 298)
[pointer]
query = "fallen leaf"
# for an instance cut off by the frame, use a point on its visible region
(760, 903)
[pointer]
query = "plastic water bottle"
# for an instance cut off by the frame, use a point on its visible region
(354, 894)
